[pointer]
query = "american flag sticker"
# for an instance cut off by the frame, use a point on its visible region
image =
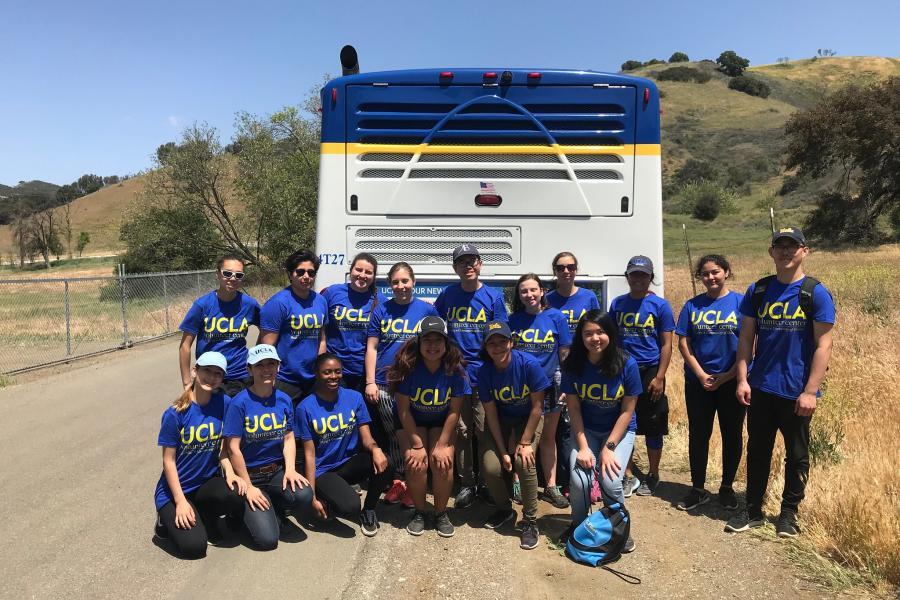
(487, 188)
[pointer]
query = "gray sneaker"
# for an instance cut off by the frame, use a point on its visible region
(629, 546)
(787, 527)
(552, 495)
(530, 536)
(368, 522)
(417, 524)
(743, 521)
(629, 485)
(443, 525)
(648, 486)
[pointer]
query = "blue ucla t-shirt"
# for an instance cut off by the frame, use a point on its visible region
(222, 327)
(511, 388)
(573, 307)
(348, 320)
(466, 314)
(784, 336)
(393, 324)
(541, 336)
(297, 322)
(430, 393)
(601, 396)
(641, 325)
(261, 423)
(196, 435)
(332, 426)
(713, 326)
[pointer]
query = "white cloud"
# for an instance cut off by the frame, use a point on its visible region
(173, 121)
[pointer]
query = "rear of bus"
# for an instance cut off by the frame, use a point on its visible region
(523, 164)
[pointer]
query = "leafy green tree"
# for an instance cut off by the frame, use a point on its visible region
(750, 85)
(84, 238)
(853, 132)
(631, 65)
(678, 57)
(171, 236)
(88, 184)
(731, 64)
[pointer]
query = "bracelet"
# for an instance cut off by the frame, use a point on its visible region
(371, 383)
(417, 448)
(521, 444)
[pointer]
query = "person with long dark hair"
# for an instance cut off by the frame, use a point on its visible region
(601, 383)
(707, 330)
(429, 383)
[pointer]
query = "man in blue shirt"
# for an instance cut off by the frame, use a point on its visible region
(792, 337)
(467, 307)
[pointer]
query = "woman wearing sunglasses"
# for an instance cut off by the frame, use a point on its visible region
(293, 320)
(219, 322)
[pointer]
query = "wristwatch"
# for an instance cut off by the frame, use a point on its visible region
(611, 445)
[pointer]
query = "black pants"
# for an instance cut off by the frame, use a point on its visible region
(210, 501)
(767, 415)
(702, 407)
(334, 486)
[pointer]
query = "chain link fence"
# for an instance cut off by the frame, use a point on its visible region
(45, 321)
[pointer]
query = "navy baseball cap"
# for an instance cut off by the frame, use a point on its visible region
(496, 328)
(793, 233)
(639, 264)
(432, 324)
(465, 250)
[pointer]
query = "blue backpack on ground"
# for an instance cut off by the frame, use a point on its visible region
(600, 538)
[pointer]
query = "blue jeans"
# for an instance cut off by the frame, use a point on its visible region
(263, 524)
(581, 479)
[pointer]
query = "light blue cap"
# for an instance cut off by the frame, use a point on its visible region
(213, 359)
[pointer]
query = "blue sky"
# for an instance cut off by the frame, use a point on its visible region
(96, 86)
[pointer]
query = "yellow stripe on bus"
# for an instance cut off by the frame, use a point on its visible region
(635, 149)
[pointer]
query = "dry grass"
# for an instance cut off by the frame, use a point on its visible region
(852, 509)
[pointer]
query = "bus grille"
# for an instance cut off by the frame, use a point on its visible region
(460, 236)
(488, 174)
(434, 245)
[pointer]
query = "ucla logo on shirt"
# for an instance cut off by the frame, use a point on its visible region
(224, 325)
(777, 311)
(265, 422)
(334, 423)
(536, 336)
(636, 320)
(599, 392)
(305, 322)
(507, 395)
(466, 314)
(204, 432)
(570, 314)
(430, 397)
(355, 315)
(713, 317)
(398, 326)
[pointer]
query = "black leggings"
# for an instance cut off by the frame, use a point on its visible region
(334, 486)
(210, 501)
(702, 407)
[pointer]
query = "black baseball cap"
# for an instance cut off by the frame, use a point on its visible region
(793, 233)
(496, 328)
(640, 264)
(432, 324)
(465, 250)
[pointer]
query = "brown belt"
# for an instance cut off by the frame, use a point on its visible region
(265, 469)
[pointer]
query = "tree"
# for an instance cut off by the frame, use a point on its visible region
(679, 57)
(750, 85)
(44, 235)
(88, 184)
(855, 132)
(170, 236)
(731, 64)
(67, 226)
(111, 180)
(84, 238)
(631, 65)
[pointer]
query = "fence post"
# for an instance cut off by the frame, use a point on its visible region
(124, 301)
(198, 285)
(166, 300)
(687, 249)
(68, 318)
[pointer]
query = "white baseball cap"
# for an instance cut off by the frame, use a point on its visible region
(262, 352)
(213, 359)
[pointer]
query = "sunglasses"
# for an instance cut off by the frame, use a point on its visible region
(562, 268)
(302, 272)
(232, 274)
(466, 262)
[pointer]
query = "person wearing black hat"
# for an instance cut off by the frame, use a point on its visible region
(467, 307)
(786, 332)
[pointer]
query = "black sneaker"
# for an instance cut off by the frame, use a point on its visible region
(368, 522)
(552, 495)
(565, 535)
(530, 536)
(629, 546)
(417, 524)
(693, 499)
(484, 494)
(465, 497)
(786, 526)
(214, 535)
(499, 518)
(443, 526)
(743, 521)
(727, 498)
(159, 530)
(648, 485)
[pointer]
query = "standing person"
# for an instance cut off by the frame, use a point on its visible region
(513, 387)
(708, 327)
(543, 333)
(788, 319)
(260, 433)
(294, 320)
(338, 448)
(219, 321)
(467, 307)
(191, 494)
(349, 307)
(429, 384)
(391, 324)
(601, 383)
(646, 323)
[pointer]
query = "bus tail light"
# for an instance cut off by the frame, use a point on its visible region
(333, 96)
(488, 200)
(646, 95)
(446, 74)
(534, 75)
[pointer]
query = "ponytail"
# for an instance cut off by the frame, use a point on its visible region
(183, 401)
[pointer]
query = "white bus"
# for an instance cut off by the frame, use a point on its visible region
(522, 163)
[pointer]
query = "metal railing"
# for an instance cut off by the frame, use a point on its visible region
(48, 321)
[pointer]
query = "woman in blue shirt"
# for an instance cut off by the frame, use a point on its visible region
(543, 332)
(260, 432)
(338, 448)
(429, 384)
(350, 307)
(191, 494)
(708, 329)
(601, 383)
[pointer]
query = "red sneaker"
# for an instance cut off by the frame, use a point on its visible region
(395, 494)
(406, 499)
